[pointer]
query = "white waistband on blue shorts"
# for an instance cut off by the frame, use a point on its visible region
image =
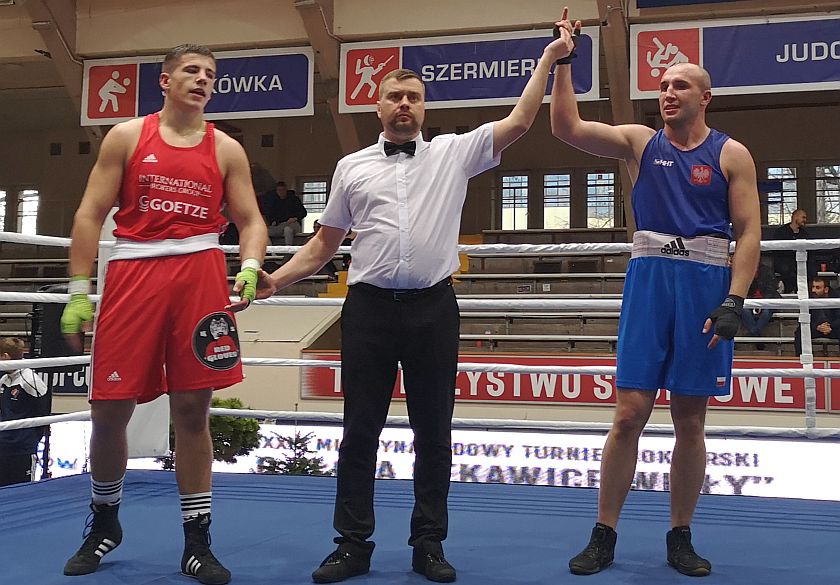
(130, 249)
(703, 249)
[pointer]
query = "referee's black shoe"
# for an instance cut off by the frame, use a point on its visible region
(431, 563)
(681, 554)
(598, 554)
(342, 564)
(197, 560)
(102, 534)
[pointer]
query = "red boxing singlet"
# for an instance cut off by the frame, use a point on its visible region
(170, 192)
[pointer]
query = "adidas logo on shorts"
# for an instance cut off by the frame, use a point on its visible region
(114, 377)
(675, 248)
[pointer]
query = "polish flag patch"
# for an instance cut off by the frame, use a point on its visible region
(701, 175)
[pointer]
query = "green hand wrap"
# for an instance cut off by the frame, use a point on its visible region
(248, 276)
(78, 311)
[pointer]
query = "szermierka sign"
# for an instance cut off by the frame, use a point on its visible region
(461, 71)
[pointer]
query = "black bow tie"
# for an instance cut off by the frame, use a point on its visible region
(408, 148)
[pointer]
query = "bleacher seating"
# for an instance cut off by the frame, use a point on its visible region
(586, 282)
(573, 275)
(485, 276)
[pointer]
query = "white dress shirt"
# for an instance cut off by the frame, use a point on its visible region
(406, 210)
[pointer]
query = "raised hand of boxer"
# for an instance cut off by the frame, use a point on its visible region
(565, 35)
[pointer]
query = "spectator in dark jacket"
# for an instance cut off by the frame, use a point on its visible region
(825, 323)
(22, 395)
(784, 261)
(283, 212)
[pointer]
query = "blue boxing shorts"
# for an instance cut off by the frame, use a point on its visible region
(672, 285)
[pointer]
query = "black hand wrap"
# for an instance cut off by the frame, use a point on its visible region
(567, 60)
(727, 317)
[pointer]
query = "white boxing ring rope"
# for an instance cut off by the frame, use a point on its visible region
(802, 304)
(335, 418)
(8, 365)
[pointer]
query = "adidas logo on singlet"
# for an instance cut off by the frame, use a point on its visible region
(675, 248)
(151, 158)
(114, 377)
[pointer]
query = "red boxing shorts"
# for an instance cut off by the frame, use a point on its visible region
(162, 327)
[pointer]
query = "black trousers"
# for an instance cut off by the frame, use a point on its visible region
(15, 469)
(380, 328)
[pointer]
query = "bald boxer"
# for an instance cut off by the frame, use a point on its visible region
(694, 190)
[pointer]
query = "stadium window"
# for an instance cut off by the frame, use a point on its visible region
(600, 200)
(783, 202)
(314, 197)
(27, 212)
(514, 202)
(827, 191)
(557, 196)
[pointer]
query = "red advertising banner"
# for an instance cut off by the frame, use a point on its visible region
(752, 392)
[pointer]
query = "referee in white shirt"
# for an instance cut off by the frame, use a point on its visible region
(403, 197)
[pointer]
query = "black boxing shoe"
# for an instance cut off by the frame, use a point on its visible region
(598, 554)
(197, 560)
(341, 564)
(432, 565)
(102, 534)
(681, 554)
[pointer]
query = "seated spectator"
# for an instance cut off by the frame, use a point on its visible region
(764, 286)
(784, 261)
(283, 212)
(825, 323)
(22, 395)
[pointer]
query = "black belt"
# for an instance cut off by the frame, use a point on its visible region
(398, 294)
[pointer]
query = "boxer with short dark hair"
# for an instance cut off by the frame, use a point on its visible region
(164, 323)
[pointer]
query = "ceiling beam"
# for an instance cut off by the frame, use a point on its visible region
(56, 22)
(617, 57)
(318, 18)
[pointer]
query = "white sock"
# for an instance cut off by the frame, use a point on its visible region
(106, 492)
(194, 504)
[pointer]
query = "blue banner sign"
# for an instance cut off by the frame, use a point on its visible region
(462, 71)
(663, 3)
(781, 53)
(267, 83)
(742, 56)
